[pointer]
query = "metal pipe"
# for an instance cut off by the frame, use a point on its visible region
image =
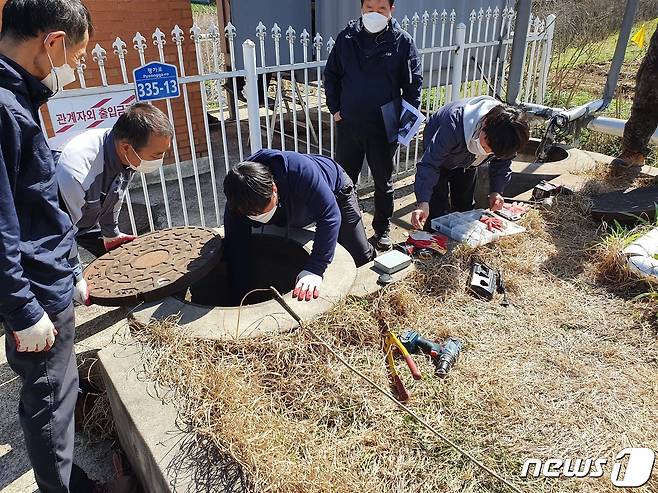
(614, 126)
(519, 47)
(253, 108)
(620, 52)
(458, 62)
(584, 110)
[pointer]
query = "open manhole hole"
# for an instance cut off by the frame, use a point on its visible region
(528, 173)
(529, 153)
(205, 308)
(272, 261)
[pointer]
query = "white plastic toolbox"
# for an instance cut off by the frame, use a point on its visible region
(465, 227)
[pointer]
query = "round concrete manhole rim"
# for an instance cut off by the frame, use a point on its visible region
(265, 318)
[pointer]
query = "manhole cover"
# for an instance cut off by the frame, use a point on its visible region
(626, 207)
(153, 266)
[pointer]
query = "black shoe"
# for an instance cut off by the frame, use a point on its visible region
(383, 242)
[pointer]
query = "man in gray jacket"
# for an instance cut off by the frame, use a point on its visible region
(94, 171)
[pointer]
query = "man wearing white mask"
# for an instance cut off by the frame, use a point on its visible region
(93, 174)
(373, 65)
(458, 138)
(40, 42)
(289, 189)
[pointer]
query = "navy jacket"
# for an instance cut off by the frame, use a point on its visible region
(307, 186)
(445, 148)
(359, 81)
(35, 235)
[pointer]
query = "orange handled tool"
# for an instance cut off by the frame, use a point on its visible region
(405, 354)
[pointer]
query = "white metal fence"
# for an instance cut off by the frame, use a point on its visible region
(290, 113)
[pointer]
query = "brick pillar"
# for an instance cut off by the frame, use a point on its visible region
(123, 18)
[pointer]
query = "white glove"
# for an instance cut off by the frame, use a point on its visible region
(307, 286)
(39, 337)
(81, 293)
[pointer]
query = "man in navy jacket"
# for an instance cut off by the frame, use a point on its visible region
(457, 139)
(293, 190)
(40, 42)
(373, 63)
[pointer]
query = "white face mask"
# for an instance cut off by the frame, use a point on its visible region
(61, 76)
(265, 217)
(475, 146)
(374, 22)
(146, 166)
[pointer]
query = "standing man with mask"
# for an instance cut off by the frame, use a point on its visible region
(93, 174)
(373, 63)
(40, 42)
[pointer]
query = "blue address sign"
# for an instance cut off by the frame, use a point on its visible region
(155, 81)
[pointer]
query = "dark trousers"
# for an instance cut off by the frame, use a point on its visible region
(352, 145)
(47, 405)
(455, 192)
(352, 234)
(92, 242)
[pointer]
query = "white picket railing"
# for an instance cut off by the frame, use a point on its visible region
(458, 60)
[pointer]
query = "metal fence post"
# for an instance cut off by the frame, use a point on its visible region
(458, 62)
(251, 92)
(519, 48)
(546, 59)
(620, 52)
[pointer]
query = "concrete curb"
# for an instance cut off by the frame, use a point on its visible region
(146, 425)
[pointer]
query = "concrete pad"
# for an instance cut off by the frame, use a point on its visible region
(572, 182)
(165, 457)
(526, 173)
(571, 160)
(366, 279)
(604, 159)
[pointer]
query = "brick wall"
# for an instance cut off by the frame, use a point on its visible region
(123, 18)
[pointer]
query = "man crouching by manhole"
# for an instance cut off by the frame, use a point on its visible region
(93, 175)
(289, 189)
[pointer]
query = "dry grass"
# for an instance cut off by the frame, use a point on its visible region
(602, 178)
(608, 261)
(569, 370)
(97, 421)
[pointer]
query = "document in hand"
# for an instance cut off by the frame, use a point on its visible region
(410, 121)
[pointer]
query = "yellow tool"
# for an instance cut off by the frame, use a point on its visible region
(391, 341)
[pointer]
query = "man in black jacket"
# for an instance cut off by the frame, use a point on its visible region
(373, 63)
